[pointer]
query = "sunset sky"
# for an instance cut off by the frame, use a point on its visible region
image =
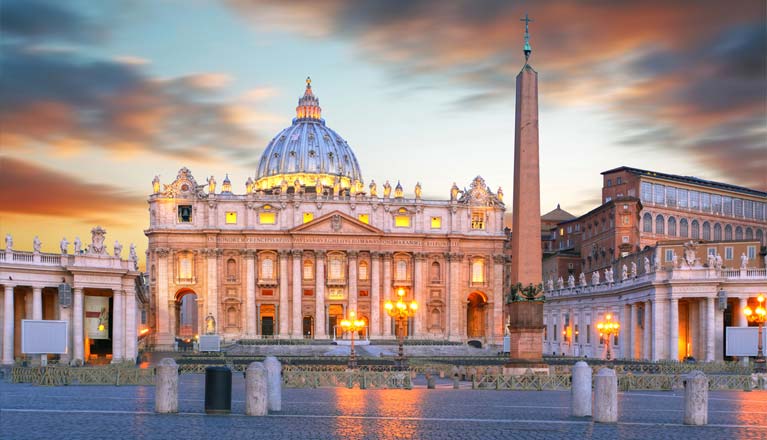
(96, 98)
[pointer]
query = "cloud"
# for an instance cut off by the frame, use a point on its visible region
(677, 72)
(33, 19)
(42, 191)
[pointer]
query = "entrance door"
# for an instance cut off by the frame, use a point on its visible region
(268, 318)
(475, 315)
(335, 315)
(308, 326)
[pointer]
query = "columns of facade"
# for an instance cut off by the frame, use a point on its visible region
(250, 294)
(418, 287)
(118, 326)
(454, 297)
(212, 297)
(710, 326)
(673, 331)
(163, 324)
(130, 324)
(8, 323)
(173, 314)
(498, 299)
(647, 331)
(375, 294)
(623, 333)
(77, 326)
(632, 328)
(352, 261)
(284, 298)
(742, 319)
(319, 295)
(27, 305)
(658, 341)
(65, 314)
(297, 327)
(37, 303)
(387, 291)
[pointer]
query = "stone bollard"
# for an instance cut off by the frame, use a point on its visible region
(274, 382)
(580, 391)
(166, 387)
(696, 398)
(456, 382)
(430, 380)
(606, 396)
(256, 400)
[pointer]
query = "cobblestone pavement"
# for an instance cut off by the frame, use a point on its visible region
(108, 412)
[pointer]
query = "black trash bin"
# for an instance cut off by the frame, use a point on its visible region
(218, 390)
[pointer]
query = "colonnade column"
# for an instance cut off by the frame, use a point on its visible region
(710, 326)
(319, 295)
(352, 258)
(212, 297)
(673, 313)
(77, 326)
(8, 323)
(297, 315)
(387, 291)
(375, 294)
(454, 294)
(742, 321)
(498, 299)
(658, 342)
(284, 298)
(647, 331)
(421, 312)
(250, 293)
(163, 337)
(631, 352)
(130, 324)
(65, 314)
(118, 326)
(37, 303)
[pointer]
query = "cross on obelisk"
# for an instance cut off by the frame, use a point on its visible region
(528, 49)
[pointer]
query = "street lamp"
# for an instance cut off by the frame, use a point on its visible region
(352, 325)
(607, 329)
(400, 312)
(758, 316)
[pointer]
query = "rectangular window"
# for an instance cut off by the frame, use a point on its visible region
(726, 205)
(608, 199)
(681, 197)
(751, 250)
(231, 218)
(267, 292)
(694, 200)
(561, 232)
(267, 218)
(626, 220)
(737, 205)
(671, 197)
(364, 218)
(588, 333)
(728, 253)
(569, 229)
(618, 180)
(363, 293)
(615, 340)
(659, 193)
(625, 239)
(748, 209)
(712, 251)
(477, 220)
(185, 213)
(609, 182)
(143, 316)
(705, 202)
(646, 192)
(436, 222)
(308, 216)
(759, 211)
(308, 292)
(577, 227)
(308, 271)
(669, 255)
(402, 221)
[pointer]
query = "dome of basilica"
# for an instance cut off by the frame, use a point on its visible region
(308, 151)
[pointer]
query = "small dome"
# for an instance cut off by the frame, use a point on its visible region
(308, 151)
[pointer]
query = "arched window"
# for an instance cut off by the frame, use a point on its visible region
(362, 271)
(308, 270)
(672, 226)
(717, 232)
(435, 273)
(478, 270)
(728, 232)
(694, 229)
(683, 228)
(267, 269)
(759, 236)
(659, 223)
(400, 273)
(749, 234)
(231, 270)
(739, 233)
(706, 231)
(647, 222)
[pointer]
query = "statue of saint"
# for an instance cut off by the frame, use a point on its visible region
(418, 191)
(633, 270)
(284, 186)
(211, 185)
(78, 245)
(743, 261)
(560, 283)
(711, 261)
(718, 263)
(156, 184)
(387, 189)
(454, 192)
(373, 189)
(133, 256)
(624, 273)
(500, 193)
(8, 242)
(595, 278)
(64, 244)
(336, 187)
(210, 325)
(296, 187)
(318, 188)
(36, 244)
(646, 265)
(582, 279)
(550, 284)
(571, 281)
(118, 249)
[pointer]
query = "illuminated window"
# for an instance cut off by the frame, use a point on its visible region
(308, 216)
(364, 218)
(561, 232)
(308, 270)
(185, 213)
(478, 220)
(267, 269)
(231, 218)
(436, 222)
(266, 218)
(402, 221)
(478, 271)
(363, 270)
(363, 293)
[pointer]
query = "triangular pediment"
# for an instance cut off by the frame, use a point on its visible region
(336, 222)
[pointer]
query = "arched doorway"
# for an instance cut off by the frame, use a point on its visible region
(188, 324)
(475, 315)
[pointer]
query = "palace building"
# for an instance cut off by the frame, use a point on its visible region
(309, 240)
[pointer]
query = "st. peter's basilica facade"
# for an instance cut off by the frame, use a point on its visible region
(309, 241)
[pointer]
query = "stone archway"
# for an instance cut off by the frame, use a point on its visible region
(476, 311)
(187, 316)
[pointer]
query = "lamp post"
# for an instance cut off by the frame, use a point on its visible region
(352, 325)
(758, 316)
(607, 329)
(400, 312)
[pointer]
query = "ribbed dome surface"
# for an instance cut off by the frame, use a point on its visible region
(306, 151)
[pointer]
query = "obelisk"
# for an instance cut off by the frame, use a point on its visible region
(525, 311)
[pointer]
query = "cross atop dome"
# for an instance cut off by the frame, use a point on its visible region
(528, 49)
(309, 105)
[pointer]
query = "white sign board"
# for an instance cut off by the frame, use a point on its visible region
(506, 344)
(43, 336)
(210, 343)
(742, 341)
